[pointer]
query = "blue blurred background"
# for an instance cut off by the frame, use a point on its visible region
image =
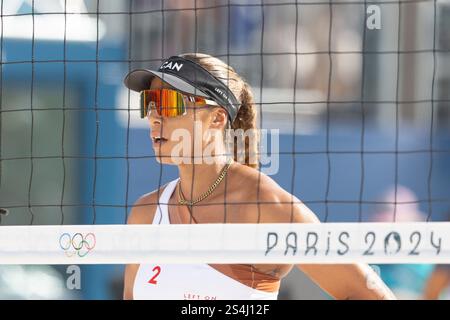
(74, 151)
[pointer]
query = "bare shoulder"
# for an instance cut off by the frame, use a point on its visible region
(144, 208)
(276, 205)
(259, 185)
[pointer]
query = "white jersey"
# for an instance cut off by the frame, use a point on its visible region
(188, 282)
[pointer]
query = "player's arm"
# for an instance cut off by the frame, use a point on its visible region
(142, 212)
(437, 282)
(341, 281)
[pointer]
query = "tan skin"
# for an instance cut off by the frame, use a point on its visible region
(437, 283)
(340, 281)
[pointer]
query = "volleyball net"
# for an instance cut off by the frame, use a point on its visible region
(353, 95)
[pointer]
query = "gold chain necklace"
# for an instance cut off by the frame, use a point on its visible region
(222, 174)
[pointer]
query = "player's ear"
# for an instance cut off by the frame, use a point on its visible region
(219, 118)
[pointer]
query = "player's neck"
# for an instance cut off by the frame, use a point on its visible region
(197, 178)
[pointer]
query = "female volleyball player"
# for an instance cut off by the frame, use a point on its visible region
(199, 88)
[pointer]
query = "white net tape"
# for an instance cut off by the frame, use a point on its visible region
(418, 242)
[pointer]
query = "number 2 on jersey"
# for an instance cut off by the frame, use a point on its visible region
(157, 271)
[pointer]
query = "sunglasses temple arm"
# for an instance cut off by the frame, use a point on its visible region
(143, 106)
(211, 102)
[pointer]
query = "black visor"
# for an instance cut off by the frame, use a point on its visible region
(188, 77)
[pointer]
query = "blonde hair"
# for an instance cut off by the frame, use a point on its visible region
(247, 115)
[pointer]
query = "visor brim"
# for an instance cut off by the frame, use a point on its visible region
(140, 79)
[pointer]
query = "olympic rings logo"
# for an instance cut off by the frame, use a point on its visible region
(77, 244)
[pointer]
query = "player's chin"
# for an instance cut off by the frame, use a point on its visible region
(163, 155)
